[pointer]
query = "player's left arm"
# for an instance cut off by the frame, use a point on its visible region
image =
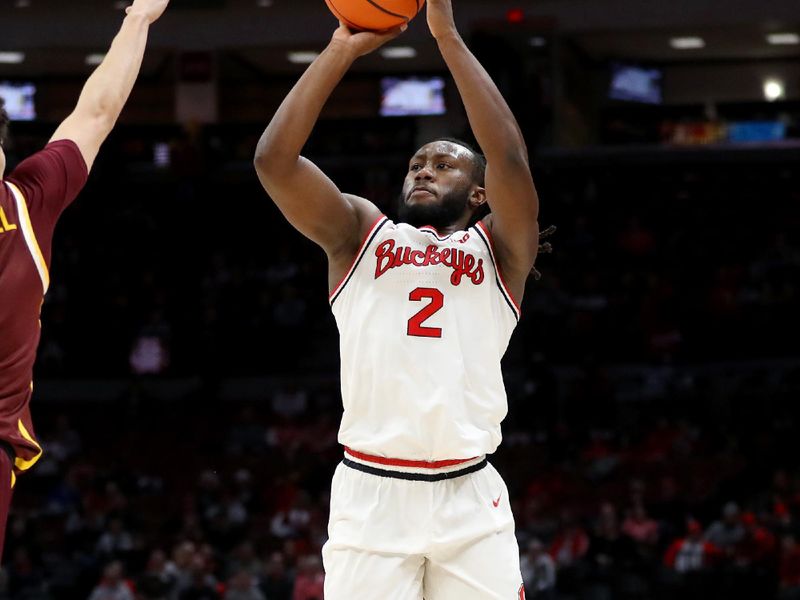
(509, 184)
(107, 89)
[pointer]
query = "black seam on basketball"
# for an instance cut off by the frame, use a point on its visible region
(388, 12)
(418, 7)
(358, 260)
(429, 477)
(497, 272)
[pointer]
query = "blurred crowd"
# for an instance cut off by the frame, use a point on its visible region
(649, 448)
(126, 505)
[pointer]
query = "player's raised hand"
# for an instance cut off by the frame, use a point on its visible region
(440, 18)
(150, 9)
(364, 42)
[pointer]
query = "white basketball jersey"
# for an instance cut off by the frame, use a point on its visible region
(424, 321)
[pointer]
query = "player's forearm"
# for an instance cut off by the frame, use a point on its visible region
(107, 89)
(492, 121)
(290, 128)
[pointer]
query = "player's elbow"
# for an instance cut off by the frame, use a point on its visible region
(268, 158)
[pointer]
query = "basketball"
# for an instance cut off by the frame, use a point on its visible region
(375, 15)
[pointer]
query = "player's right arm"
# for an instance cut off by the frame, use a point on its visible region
(308, 199)
(107, 89)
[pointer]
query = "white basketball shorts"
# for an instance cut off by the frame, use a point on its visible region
(407, 530)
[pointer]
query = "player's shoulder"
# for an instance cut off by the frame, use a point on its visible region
(363, 207)
(366, 212)
(59, 155)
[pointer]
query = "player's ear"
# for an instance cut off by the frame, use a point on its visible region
(478, 197)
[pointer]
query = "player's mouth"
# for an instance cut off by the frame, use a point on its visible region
(419, 190)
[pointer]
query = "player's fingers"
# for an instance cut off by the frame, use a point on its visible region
(393, 33)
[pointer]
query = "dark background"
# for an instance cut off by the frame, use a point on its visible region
(187, 383)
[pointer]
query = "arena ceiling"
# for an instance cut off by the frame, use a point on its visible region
(56, 36)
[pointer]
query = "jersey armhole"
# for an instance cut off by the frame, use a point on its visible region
(486, 236)
(368, 239)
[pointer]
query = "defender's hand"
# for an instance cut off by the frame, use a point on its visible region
(440, 18)
(363, 42)
(151, 10)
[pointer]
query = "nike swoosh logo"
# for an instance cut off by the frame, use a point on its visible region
(496, 503)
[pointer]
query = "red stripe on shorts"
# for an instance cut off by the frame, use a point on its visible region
(399, 462)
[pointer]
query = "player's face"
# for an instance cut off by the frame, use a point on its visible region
(438, 186)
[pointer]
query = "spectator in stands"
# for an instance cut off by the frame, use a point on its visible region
(276, 582)
(201, 586)
(571, 543)
(789, 569)
(640, 527)
(245, 559)
(242, 586)
(115, 541)
(156, 583)
(688, 562)
(113, 586)
(691, 553)
(179, 568)
(611, 555)
(726, 533)
(757, 546)
(309, 583)
(538, 572)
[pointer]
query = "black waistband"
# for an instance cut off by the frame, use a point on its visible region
(414, 476)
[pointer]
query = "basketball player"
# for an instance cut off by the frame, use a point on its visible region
(425, 309)
(31, 199)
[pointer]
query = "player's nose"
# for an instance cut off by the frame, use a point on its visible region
(425, 173)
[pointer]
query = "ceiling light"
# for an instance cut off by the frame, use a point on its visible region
(537, 41)
(687, 43)
(94, 59)
(11, 58)
(398, 52)
(22, 3)
(774, 89)
(303, 57)
(263, 3)
(783, 39)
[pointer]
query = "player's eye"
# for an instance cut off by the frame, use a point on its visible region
(442, 166)
(416, 167)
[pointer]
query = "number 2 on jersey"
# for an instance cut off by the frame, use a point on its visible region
(415, 323)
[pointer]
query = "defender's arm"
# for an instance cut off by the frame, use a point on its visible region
(108, 88)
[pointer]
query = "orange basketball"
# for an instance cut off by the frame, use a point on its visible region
(375, 15)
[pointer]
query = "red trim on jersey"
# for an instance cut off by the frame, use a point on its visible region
(398, 462)
(436, 232)
(356, 257)
(497, 265)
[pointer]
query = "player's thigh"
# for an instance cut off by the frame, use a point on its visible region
(487, 569)
(352, 574)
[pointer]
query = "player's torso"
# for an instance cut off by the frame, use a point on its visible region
(21, 294)
(424, 321)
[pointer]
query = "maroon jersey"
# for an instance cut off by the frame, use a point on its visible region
(32, 198)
